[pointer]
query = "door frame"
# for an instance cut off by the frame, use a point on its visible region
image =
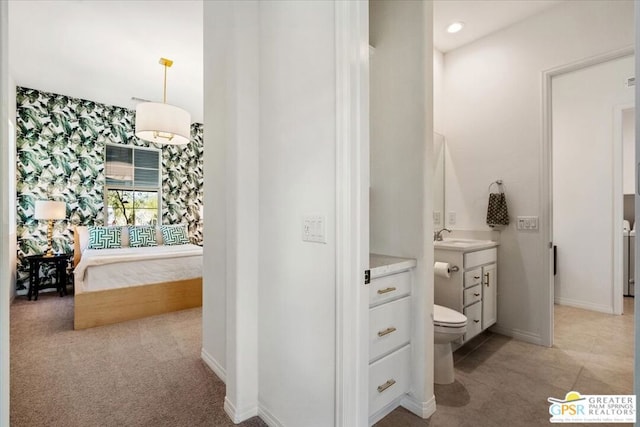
(618, 207)
(5, 269)
(546, 178)
(352, 212)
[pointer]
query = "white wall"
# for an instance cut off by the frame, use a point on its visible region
(401, 154)
(493, 127)
(270, 77)
(583, 106)
(297, 177)
(218, 92)
(628, 151)
(4, 224)
(438, 92)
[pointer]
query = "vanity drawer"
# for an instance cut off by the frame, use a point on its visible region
(472, 295)
(389, 327)
(389, 378)
(486, 256)
(473, 277)
(474, 320)
(386, 288)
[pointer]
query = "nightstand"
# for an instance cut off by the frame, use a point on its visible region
(59, 261)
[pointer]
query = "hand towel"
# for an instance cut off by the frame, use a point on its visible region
(497, 212)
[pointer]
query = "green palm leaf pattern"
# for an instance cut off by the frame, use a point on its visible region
(60, 155)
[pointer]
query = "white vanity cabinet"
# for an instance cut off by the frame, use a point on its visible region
(390, 317)
(472, 288)
(489, 295)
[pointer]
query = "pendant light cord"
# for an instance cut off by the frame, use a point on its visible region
(164, 89)
(166, 63)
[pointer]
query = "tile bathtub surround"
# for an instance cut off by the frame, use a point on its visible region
(592, 354)
(60, 155)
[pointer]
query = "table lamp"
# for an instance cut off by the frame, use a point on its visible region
(50, 211)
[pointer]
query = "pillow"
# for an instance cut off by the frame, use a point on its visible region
(82, 237)
(142, 237)
(104, 237)
(80, 242)
(124, 236)
(159, 235)
(175, 234)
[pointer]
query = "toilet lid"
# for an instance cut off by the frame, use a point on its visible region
(446, 316)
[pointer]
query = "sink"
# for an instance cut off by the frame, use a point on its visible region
(462, 244)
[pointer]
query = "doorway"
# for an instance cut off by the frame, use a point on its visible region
(587, 178)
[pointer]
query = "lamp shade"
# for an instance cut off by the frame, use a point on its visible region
(48, 209)
(163, 123)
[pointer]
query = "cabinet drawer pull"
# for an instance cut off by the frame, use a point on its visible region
(386, 385)
(476, 277)
(486, 276)
(476, 294)
(476, 321)
(386, 290)
(386, 331)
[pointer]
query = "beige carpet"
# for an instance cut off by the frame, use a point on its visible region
(144, 372)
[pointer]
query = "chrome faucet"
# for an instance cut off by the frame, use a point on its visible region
(437, 235)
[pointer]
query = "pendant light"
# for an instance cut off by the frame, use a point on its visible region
(163, 123)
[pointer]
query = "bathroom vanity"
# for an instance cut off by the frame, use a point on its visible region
(472, 288)
(390, 316)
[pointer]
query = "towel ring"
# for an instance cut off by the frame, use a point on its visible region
(498, 183)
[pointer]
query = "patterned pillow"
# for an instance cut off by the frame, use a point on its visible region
(175, 234)
(142, 237)
(104, 237)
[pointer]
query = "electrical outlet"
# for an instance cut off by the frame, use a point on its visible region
(452, 218)
(437, 217)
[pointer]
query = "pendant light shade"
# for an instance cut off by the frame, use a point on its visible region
(162, 123)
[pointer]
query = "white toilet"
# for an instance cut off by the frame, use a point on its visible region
(448, 325)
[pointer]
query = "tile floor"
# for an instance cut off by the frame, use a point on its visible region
(504, 382)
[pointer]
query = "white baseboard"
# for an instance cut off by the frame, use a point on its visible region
(385, 410)
(584, 305)
(525, 336)
(268, 417)
(422, 409)
(238, 417)
(213, 364)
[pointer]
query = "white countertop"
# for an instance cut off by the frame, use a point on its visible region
(383, 265)
(464, 245)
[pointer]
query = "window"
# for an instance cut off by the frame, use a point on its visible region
(132, 190)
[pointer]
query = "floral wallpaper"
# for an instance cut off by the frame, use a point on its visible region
(60, 156)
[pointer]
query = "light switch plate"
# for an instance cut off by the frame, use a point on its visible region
(528, 223)
(314, 229)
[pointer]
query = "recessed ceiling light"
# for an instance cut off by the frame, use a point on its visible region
(454, 27)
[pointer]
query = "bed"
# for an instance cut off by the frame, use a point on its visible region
(116, 285)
